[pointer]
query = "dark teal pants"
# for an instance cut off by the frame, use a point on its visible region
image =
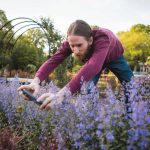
(120, 68)
(122, 71)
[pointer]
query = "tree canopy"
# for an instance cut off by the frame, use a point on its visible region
(136, 43)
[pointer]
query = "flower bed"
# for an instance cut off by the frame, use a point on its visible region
(83, 121)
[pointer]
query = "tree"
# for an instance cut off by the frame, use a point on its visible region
(37, 38)
(140, 28)
(53, 36)
(4, 20)
(24, 53)
(136, 43)
(5, 32)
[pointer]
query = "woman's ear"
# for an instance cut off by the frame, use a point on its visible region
(90, 40)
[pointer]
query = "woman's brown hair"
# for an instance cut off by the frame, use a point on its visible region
(80, 28)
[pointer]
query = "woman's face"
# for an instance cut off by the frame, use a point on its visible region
(79, 45)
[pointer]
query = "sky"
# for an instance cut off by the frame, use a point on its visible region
(116, 15)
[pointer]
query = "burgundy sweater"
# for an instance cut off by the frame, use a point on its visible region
(105, 48)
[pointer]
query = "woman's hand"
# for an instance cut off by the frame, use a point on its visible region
(49, 99)
(33, 87)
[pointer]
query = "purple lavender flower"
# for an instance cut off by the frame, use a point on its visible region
(84, 121)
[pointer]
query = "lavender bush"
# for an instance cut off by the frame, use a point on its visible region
(120, 120)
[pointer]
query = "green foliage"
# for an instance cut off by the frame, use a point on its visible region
(52, 35)
(148, 60)
(76, 68)
(140, 28)
(23, 54)
(3, 119)
(4, 25)
(60, 73)
(37, 38)
(76, 65)
(69, 65)
(136, 43)
(29, 49)
(3, 19)
(31, 68)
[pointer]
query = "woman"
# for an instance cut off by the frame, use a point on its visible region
(98, 48)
